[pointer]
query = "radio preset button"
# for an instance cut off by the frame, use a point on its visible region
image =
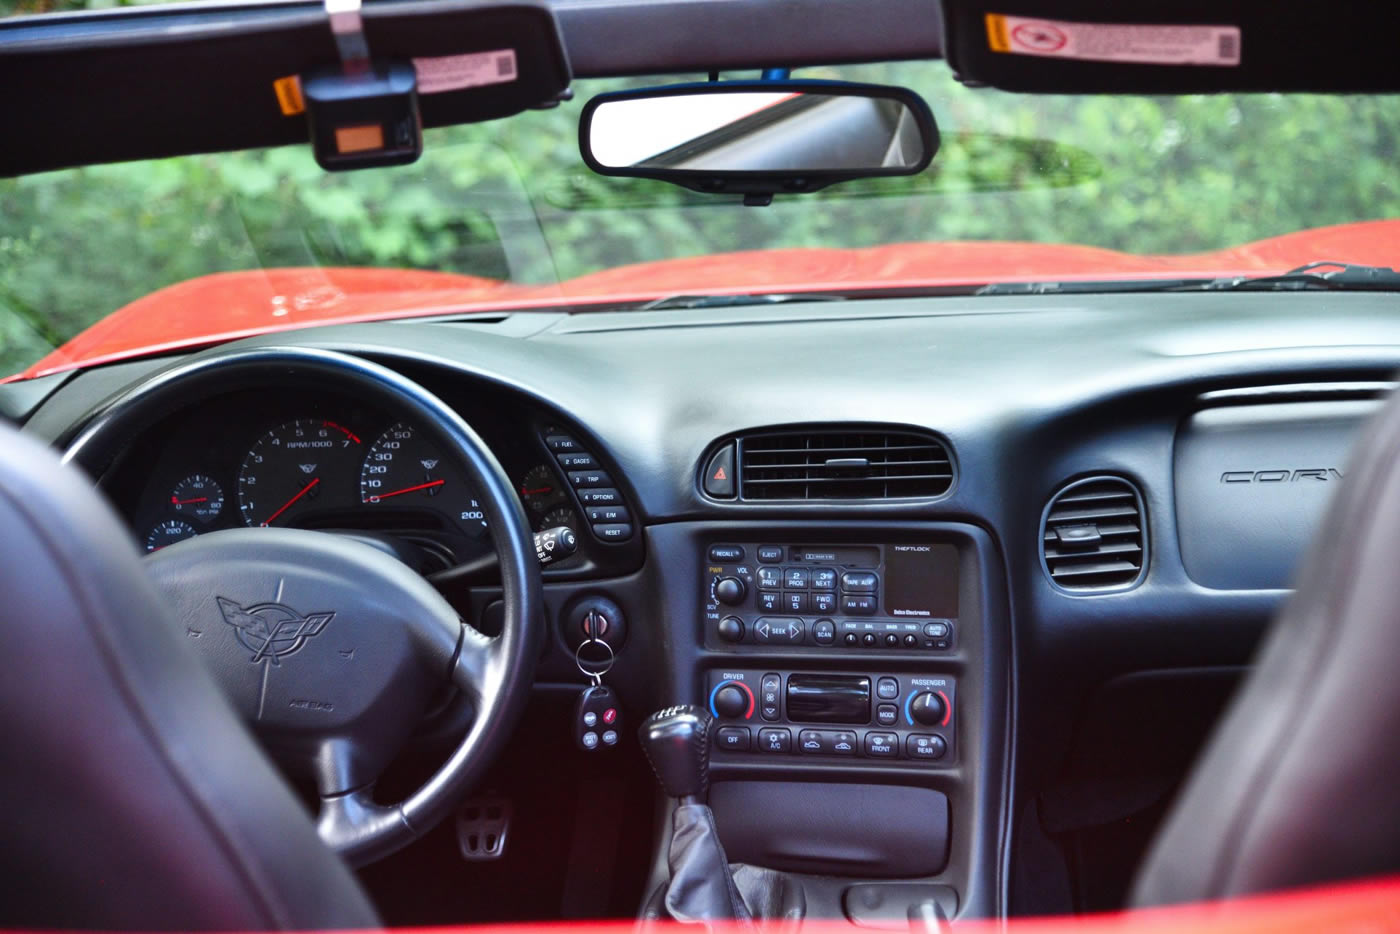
(770, 554)
(823, 579)
(823, 631)
(858, 604)
(860, 582)
(882, 745)
(887, 688)
(795, 602)
(734, 738)
(770, 579)
(770, 601)
(774, 739)
(796, 579)
(726, 554)
(921, 746)
(823, 602)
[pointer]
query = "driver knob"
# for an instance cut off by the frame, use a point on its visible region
(676, 741)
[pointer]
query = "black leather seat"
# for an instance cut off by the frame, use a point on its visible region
(133, 798)
(1300, 783)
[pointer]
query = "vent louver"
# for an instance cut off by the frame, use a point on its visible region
(1093, 536)
(837, 464)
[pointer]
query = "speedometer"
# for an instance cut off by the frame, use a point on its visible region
(289, 468)
(406, 471)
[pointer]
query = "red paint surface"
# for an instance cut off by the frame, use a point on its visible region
(1370, 907)
(230, 305)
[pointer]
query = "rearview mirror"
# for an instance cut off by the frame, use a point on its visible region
(758, 138)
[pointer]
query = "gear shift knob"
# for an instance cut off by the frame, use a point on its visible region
(676, 741)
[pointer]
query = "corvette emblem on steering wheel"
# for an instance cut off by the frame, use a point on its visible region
(271, 631)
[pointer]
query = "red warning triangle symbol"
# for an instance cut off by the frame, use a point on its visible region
(720, 474)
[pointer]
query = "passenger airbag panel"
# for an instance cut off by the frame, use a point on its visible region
(1252, 482)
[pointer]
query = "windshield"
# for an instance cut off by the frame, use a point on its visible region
(1139, 186)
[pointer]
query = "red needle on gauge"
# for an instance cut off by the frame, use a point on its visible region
(288, 504)
(185, 502)
(528, 492)
(408, 489)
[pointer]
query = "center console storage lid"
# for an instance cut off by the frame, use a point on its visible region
(884, 831)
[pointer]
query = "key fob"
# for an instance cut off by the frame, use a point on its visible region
(597, 718)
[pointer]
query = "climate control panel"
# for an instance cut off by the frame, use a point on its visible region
(895, 597)
(862, 716)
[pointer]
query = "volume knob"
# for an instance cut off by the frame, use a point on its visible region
(730, 591)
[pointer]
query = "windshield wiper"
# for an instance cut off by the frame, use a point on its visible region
(1342, 277)
(744, 298)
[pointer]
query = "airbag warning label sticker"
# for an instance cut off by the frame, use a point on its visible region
(1114, 42)
(454, 72)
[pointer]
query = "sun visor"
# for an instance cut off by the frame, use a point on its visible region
(1112, 47)
(155, 81)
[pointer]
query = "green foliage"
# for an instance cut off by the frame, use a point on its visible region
(512, 199)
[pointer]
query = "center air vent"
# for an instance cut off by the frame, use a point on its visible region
(843, 465)
(1093, 536)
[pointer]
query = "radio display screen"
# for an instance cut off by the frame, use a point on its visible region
(921, 581)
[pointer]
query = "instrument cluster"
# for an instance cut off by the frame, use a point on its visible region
(323, 462)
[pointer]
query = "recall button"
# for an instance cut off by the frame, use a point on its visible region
(731, 554)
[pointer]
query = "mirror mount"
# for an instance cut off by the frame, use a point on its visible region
(760, 138)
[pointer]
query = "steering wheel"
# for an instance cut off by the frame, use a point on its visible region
(330, 648)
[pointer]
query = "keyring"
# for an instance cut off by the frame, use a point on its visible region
(607, 664)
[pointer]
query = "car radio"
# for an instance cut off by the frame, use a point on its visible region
(887, 716)
(896, 597)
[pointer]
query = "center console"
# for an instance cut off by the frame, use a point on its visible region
(859, 674)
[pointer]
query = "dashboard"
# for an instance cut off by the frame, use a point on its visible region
(953, 657)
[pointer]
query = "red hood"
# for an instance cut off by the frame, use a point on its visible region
(229, 305)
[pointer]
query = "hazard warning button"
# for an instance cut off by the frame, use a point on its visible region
(719, 473)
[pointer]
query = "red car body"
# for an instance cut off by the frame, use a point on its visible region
(230, 305)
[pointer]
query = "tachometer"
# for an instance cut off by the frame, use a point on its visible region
(404, 470)
(289, 468)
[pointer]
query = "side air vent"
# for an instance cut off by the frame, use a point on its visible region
(843, 465)
(1093, 536)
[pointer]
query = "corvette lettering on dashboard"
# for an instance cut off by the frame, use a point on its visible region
(1280, 476)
